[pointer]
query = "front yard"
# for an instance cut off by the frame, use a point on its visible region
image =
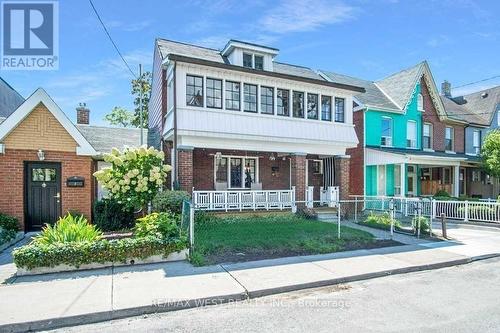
(233, 238)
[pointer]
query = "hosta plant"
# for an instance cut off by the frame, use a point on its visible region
(68, 229)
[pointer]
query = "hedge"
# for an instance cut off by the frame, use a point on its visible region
(101, 251)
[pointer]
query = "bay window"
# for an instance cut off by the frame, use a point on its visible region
(283, 102)
(194, 90)
(476, 142)
(267, 100)
(312, 106)
(298, 104)
(214, 93)
(249, 97)
(326, 108)
(237, 172)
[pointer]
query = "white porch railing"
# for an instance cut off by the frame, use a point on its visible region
(244, 199)
(329, 196)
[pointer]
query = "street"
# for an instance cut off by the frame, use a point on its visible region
(456, 299)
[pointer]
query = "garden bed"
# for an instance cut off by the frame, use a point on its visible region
(19, 235)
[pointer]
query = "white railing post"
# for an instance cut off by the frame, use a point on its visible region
(466, 216)
(191, 225)
(294, 203)
(310, 196)
(356, 209)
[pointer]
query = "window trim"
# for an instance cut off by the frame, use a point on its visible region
(416, 135)
(272, 100)
(431, 136)
(228, 166)
(320, 162)
(231, 92)
(317, 109)
(384, 136)
(256, 97)
(202, 90)
(343, 109)
(452, 133)
(221, 92)
(288, 114)
(477, 149)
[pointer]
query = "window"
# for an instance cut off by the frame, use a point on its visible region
(249, 97)
(298, 104)
(194, 90)
(411, 134)
(232, 95)
(312, 106)
(259, 62)
(339, 110)
(476, 175)
(214, 93)
(381, 180)
(237, 172)
(386, 137)
(43, 175)
(267, 100)
(326, 108)
(476, 142)
(247, 60)
(397, 179)
(317, 166)
(446, 176)
(448, 139)
(420, 102)
(283, 102)
(427, 136)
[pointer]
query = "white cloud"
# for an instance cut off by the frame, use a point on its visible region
(305, 15)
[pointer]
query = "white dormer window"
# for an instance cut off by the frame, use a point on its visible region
(247, 60)
(258, 62)
(420, 102)
(253, 61)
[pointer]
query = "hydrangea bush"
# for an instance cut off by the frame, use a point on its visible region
(135, 176)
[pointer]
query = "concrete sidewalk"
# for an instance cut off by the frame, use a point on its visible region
(55, 300)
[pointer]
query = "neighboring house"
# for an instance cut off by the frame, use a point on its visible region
(409, 145)
(236, 120)
(10, 99)
(49, 161)
(482, 112)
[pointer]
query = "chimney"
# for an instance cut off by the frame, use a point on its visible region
(82, 114)
(446, 89)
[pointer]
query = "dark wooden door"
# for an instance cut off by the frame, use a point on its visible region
(43, 193)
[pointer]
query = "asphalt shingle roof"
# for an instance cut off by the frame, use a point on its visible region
(103, 139)
(9, 99)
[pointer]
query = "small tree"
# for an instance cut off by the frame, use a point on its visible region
(135, 176)
(490, 153)
(119, 116)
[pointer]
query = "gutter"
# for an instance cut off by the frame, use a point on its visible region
(176, 169)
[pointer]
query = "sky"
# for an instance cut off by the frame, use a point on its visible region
(369, 39)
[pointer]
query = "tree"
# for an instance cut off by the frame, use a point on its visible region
(120, 116)
(490, 153)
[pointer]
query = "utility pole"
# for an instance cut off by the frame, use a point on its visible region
(140, 102)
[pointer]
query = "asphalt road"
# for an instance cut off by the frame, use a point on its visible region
(457, 299)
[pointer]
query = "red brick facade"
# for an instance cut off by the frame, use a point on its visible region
(72, 199)
(185, 165)
(342, 169)
(356, 167)
(298, 177)
(431, 116)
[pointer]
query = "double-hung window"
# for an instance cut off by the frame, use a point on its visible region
(420, 102)
(386, 134)
(259, 62)
(194, 90)
(214, 93)
(267, 100)
(411, 134)
(427, 136)
(339, 110)
(448, 139)
(326, 108)
(312, 106)
(283, 102)
(298, 104)
(232, 95)
(249, 97)
(247, 60)
(476, 142)
(237, 172)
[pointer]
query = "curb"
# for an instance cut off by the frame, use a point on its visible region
(91, 318)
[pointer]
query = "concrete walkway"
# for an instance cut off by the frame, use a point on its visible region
(55, 300)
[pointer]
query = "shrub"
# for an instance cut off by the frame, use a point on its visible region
(6, 235)
(170, 201)
(8, 222)
(424, 223)
(109, 215)
(68, 229)
(381, 221)
(100, 251)
(160, 225)
(442, 194)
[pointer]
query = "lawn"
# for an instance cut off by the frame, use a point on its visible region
(233, 238)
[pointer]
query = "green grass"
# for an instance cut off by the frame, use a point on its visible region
(217, 238)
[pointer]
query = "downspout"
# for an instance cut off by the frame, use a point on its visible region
(176, 169)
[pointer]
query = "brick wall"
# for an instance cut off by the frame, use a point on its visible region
(430, 116)
(12, 181)
(298, 172)
(342, 169)
(185, 165)
(356, 167)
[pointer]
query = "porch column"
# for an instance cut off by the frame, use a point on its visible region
(298, 176)
(403, 179)
(456, 181)
(342, 165)
(185, 165)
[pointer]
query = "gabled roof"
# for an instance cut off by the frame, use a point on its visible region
(483, 104)
(10, 99)
(103, 139)
(41, 96)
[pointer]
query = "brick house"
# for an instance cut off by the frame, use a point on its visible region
(50, 161)
(239, 126)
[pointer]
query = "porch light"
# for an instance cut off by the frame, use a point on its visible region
(272, 157)
(218, 155)
(41, 155)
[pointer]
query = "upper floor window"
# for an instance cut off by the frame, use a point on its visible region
(411, 134)
(233, 95)
(312, 106)
(194, 90)
(283, 102)
(427, 136)
(247, 60)
(476, 142)
(249, 97)
(448, 139)
(386, 137)
(339, 109)
(214, 93)
(420, 102)
(326, 108)
(267, 100)
(259, 62)
(298, 104)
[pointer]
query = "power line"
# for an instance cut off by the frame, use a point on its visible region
(111, 39)
(479, 81)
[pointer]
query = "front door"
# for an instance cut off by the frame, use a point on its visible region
(43, 194)
(412, 180)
